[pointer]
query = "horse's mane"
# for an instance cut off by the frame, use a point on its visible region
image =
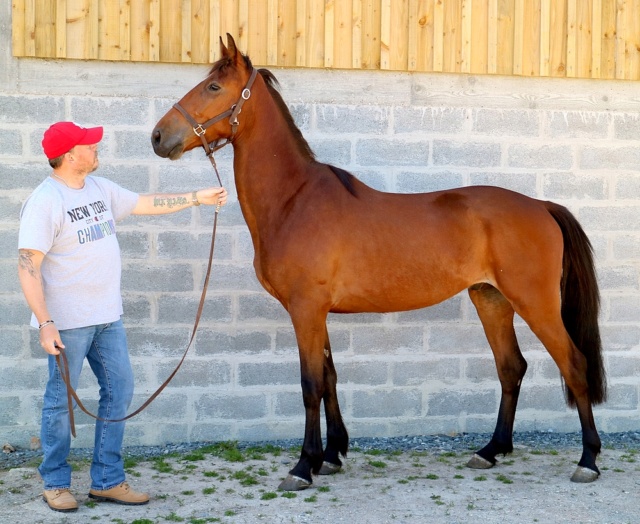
(272, 84)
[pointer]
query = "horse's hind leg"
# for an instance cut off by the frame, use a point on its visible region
(496, 314)
(573, 367)
(337, 436)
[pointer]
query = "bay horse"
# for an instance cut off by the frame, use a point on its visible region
(325, 242)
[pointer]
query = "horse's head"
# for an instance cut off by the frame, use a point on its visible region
(209, 112)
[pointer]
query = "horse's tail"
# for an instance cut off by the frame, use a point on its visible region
(581, 301)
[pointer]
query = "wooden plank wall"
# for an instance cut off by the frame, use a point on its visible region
(559, 38)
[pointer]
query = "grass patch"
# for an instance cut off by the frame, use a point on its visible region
(269, 495)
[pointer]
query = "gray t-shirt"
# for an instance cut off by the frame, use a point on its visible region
(75, 229)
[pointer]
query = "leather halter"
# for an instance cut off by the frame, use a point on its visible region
(201, 129)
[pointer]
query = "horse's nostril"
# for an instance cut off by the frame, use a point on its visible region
(157, 136)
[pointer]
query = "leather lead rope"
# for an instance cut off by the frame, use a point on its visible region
(199, 130)
(64, 365)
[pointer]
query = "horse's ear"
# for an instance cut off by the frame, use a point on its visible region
(231, 45)
(224, 52)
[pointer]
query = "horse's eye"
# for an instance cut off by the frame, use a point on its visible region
(213, 87)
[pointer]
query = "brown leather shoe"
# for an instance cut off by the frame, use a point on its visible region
(60, 500)
(120, 494)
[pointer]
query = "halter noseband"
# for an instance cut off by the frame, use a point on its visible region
(201, 129)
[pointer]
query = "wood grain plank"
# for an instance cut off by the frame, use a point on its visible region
(438, 36)
(558, 39)
(385, 34)
(479, 36)
(371, 23)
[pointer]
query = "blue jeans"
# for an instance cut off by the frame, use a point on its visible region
(105, 348)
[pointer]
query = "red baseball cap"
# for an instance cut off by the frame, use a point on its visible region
(62, 137)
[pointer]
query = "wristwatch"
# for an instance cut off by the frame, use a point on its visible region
(194, 198)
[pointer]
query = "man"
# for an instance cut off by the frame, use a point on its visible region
(69, 269)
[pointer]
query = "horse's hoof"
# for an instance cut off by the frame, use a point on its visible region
(477, 462)
(293, 483)
(329, 469)
(584, 475)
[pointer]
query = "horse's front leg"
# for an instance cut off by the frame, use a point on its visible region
(337, 436)
(310, 333)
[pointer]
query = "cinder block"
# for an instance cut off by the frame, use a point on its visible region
(568, 185)
(230, 406)
(145, 276)
(524, 183)
(184, 245)
(542, 397)
(443, 338)
(610, 219)
(466, 154)
(370, 120)
(10, 214)
(301, 114)
(137, 309)
(426, 372)
(10, 142)
(622, 365)
(31, 109)
(387, 339)
(14, 310)
(540, 156)
(106, 111)
(383, 403)
(133, 144)
(622, 396)
(197, 373)
(505, 122)
(429, 120)
(134, 244)
(426, 182)
(134, 177)
(618, 277)
(334, 152)
(12, 344)
(261, 307)
(288, 404)
(183, 309)
(578, 124)
(449, 310)
(15, 376)
(157, 342)
(10, 410)
(373, 373)
(626, 126)
(626, 246)
(25, 176)
(627, 186)
(245, 341)
(610, 157)
(391, 151)
(481, 369)
(382, 181)
(447, 402)
(620, 337)
(268, 373)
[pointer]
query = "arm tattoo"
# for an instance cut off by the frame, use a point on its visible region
(25, 262)
(169, 202)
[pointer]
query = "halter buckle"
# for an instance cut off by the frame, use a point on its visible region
(199, 131)
(246, 93)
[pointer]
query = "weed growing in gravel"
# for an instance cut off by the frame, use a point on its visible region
(162, 466)
(377, 464)
(312, 498)
(172, 517)
(269, 495)
(480, 478)
(288, 495)
(504, 479)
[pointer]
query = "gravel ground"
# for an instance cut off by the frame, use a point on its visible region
(434, 443)
(407, 480)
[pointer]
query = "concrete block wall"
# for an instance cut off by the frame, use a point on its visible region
(420, 372)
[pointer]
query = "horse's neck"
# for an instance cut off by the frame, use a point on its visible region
(268, 165)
